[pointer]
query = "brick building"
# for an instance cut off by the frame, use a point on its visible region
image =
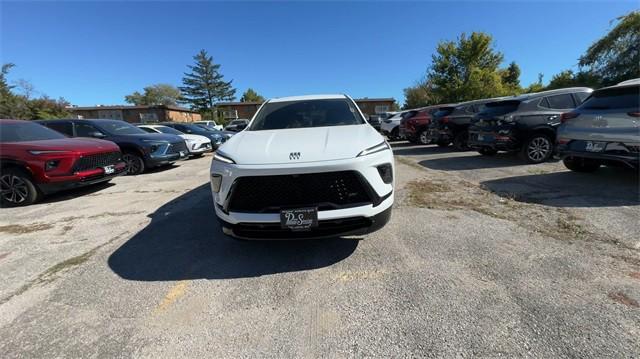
(368, 106)
(134, 114)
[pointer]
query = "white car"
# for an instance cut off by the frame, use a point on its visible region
(196, 144)
(305, 167)
(211, 124)
(391, 127)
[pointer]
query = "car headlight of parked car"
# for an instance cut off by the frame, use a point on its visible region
(156, 147)
(219, 156)
(382, 146)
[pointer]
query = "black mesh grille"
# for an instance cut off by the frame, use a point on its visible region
(91, 162)
(268, 194)
(324, 229)
(177, 147)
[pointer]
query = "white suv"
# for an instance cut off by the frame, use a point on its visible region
(305, 167)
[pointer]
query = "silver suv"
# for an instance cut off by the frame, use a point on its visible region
(605, 129)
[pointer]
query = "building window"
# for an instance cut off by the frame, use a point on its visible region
(382, 108)
(148, 117)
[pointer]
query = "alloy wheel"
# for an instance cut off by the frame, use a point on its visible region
(538, 149)
(132, 164)
(424, 138)
(13, 189)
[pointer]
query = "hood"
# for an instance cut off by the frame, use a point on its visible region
(196, 138)
(314, 144)
(84, 145)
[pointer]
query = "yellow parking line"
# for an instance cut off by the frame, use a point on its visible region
(172, 295)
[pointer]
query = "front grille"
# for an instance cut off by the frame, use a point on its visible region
(177, 147)
(326, 228)
(268, 194)
(91, 162)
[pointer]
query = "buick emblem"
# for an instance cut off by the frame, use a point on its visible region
(294, 156)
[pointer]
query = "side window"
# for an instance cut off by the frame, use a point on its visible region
(544, 103)
(85, 130)
(564, 101)
(65, 128)
(182, 129)
(581, 96)
(147, 129)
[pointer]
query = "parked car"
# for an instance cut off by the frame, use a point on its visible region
(226, 134)
(451, 123)
(375, 121)
(525, 123)
(306, 167)
(605, 129)
(414, 125)
(237, 125)
(390, 127)
(36, 161)
(140, 150)
(216, 137)
(211, 124)
(196, 145)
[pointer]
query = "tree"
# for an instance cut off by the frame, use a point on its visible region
(251, 96)
(7, 99)
(159, 94)
(511, 75)
(568, 78)
(204, 85)
(419, 95)
(466, 69)
(536, 86)
(616, 56)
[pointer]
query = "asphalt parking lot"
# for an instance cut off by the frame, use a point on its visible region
(484, 256)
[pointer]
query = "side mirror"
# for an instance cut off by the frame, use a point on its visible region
(97, 134)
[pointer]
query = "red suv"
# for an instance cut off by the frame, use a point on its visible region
(414, 125)
(35, 161)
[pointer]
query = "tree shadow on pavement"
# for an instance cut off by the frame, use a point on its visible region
(417, 150)
(184, 241)
(606, 187)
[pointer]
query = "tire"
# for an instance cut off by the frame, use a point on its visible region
(442, 143)
(423, 138)
(412, 140)
(395, 134)
(487, 151)
(17, 188)
(579, 164)
(537, 149)
(135, 163)
(460, 141)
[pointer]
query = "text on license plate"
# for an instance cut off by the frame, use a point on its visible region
(594, 146)
(299, 219)
(109, 169)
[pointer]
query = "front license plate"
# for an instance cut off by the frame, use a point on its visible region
(480, 138)
(591, 146)
(182, 154)
(299, 219)
(109, 169)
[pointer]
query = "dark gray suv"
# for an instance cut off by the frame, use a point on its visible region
(605, 129)
(525, 123)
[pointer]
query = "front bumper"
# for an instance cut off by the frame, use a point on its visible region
(199, 148)
(625, 153)
(81, 179)
(269, 223)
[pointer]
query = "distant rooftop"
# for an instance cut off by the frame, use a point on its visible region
(129, 107)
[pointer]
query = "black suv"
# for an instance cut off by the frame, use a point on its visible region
(525, 123)
(217, 137)
(140, 150)
(450, 124)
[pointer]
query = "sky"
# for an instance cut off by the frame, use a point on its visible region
(97, 52)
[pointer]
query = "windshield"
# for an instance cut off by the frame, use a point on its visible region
(304, 114)
(27, 131)
(169, 130)
(499, 108)
(116, 127)
(613, 98)
(207, 127)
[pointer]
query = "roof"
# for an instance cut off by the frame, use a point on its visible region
(535, 95)
(308, 97)
(629, 82)
(132, 107)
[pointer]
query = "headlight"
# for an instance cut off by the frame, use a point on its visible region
(222, 158)
(382, 146)
(156, 145)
